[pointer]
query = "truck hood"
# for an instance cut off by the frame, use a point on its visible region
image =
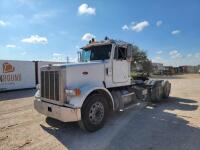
(69, 65)
(83, 74)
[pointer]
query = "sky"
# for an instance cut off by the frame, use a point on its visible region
(49, 30)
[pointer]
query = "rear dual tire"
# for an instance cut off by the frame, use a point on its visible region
(160, 91)
(166, 89)
(156, 93)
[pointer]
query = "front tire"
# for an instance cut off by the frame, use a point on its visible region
(94, 112)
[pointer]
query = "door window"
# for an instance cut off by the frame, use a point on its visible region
(120, 53)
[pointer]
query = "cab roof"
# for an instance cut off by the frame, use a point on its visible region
(105, 42)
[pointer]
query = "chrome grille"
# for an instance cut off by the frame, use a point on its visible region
(50, 85)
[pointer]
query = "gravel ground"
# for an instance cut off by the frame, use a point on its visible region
(170, 125)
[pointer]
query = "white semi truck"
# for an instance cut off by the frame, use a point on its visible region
(87, 91)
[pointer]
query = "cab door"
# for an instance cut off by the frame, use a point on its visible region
(120, 65)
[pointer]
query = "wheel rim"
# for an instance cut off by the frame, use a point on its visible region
(96, 113)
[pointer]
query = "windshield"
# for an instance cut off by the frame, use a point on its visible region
(101, 52)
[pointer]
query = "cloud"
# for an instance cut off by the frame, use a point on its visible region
(175, 32)
(175, 54)
(157, 59)
(159, 52)
(87, 37)
(197, 55)
(189, 55)
(125, 27)
(23, 53)
(56, 54)
(138, 27)
(11, 46)
(77, 47)
(178, 59)
(59, 57)
(35, 39)
(64, 58)
(85, 9)
(159, 23)
(3, 23)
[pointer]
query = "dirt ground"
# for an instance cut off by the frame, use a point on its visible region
(171, 125)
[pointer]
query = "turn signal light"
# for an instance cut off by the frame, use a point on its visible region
(77, 92)
(74, 92)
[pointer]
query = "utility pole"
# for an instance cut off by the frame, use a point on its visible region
(67, 59)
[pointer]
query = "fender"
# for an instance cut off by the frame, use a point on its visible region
(77, 101)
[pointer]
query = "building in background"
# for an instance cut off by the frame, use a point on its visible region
(158, 68)
(169, 70)
(189, 69)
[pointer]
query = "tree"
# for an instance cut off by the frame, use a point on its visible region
(140, 61)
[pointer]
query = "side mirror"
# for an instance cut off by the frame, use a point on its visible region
(129, 56)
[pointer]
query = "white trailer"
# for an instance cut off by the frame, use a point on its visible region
(16, 75)
(87, 91)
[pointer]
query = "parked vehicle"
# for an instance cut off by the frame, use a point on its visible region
(87, 91)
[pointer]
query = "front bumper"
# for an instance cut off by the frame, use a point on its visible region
(61, 113)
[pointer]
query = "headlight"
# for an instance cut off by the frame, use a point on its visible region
(74, 92)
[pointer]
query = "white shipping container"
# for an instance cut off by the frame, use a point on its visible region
(16, 75)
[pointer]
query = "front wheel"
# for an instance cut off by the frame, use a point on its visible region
(94, 112)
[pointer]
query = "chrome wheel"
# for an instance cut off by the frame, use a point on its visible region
(96, 113)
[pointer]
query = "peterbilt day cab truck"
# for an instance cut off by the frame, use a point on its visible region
(87, 91)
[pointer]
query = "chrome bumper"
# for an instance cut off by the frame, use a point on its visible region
(61, 113)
